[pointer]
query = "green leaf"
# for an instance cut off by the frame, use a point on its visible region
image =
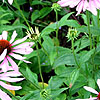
(87, 56)
(35, 2)
(64, 71)
(56, 92)
(97, 75)
(34, 95)
(31, 76)
(67, 59)
(91, 82)
(45, 11)
(35, 15)
(55, 82)
(84, 18)
(71, 23)
(61, 97)
(47, 30)
(9, 28)
(97, 59)
(79, 83)
(95, 31)
(73, 76)
(64, 19)
(81, 44)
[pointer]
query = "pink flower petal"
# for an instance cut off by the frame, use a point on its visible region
(10, 2)
(91, 90)
(87, 99)
(24, 45)
(23, 51)
(16, 56)
(0, 37)
(11, 74)
(14, 65)
(4, 96)
(2, 56)
(8, 79)
(98, 82)
(26, 61)
(13, 37)
(9, 87)
(79, 7)
(92, 8)
(4, 35)
(20, 40)
(3, 66)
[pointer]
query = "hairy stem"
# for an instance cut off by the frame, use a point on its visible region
(39, 65)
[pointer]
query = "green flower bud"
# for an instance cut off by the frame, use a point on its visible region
(33, 34)
(45, 94)
(72, 33)
(56, 7)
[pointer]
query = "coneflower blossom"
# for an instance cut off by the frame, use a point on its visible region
(8, 77)
(11, 48)
(10, 1)
(82, 5)
(92, 91)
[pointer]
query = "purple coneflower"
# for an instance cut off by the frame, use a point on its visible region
(11, 48)
(9, 77)
(82, 5)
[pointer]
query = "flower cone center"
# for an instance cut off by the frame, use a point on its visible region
(4, 44)
(98, 96)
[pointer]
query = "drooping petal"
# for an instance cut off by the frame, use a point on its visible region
(98, 82)
(24, 45)
(14, 65)
(13, 37)
(91, 90)
(3, 66)
(2, 56)
(4, 96)
(4, 35)
(79, 7)
(23, 51)
(82, 99)
(20, 40)
(26, 61)
(92, 8)
(11, 74)
(0, 37)
(8, 79)
(17, 56)
(9, 87)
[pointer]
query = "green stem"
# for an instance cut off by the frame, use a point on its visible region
(39, 65)
(98, 25)
(88, 22)
(57, 24)
(72, 42)
(9, 93)
(98, 18)
(57, 31)
(22, 13)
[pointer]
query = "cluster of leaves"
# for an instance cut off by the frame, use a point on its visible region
(65, 80)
